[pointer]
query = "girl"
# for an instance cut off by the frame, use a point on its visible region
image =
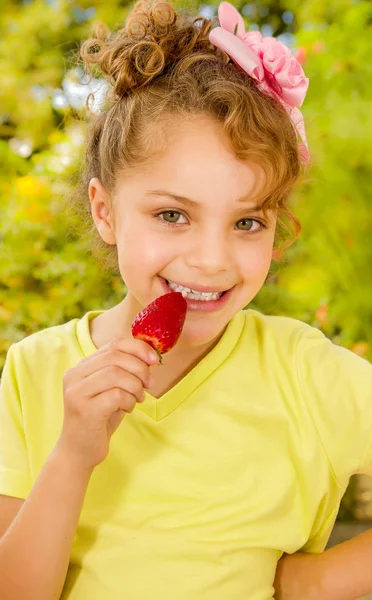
(238, 449)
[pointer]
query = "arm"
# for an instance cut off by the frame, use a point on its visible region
(98, 392)
(340, 573)
(35, 550)
(298, 576)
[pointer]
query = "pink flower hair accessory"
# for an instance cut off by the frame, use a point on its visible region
(270, 62)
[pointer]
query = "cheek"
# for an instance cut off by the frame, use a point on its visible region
(257, 260)
(141, 248)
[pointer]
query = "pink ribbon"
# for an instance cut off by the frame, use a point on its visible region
(270, 62)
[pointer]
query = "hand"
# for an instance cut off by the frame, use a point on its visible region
(297, 577)
(98, 392)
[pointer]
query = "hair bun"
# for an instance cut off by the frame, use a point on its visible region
(150, 18)
(154, 37)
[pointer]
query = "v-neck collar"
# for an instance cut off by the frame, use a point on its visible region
(158, 408)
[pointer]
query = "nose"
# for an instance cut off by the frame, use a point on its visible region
(209, 252)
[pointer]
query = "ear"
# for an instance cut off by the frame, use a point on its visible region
(100, 206)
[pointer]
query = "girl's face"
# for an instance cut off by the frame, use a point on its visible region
(180, 220)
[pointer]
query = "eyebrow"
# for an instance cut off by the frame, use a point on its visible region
(192, 203)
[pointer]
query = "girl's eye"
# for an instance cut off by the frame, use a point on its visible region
(172, 216)
(248, 222)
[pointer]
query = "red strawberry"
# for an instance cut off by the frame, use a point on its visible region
(160, 323)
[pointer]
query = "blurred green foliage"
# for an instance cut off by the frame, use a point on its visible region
(46, 276)
(328, 281)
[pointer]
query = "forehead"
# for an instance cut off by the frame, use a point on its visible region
(194, 157)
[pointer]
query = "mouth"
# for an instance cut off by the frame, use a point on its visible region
(198, 300)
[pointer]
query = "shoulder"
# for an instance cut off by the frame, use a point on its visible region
(331, 382)
(278, 330)
(307, 343)
(286, 340)
(39, 349)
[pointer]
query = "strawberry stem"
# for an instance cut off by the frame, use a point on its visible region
(160, 356)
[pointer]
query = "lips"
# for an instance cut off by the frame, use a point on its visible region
(203, 306)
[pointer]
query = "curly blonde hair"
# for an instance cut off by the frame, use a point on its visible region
(161, 66)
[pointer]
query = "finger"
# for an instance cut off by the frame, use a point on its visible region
(112, 401)
(111, 377)
(127, 362)
(133, 346)
(115, 420)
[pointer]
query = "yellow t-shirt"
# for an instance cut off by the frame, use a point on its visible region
(203, 489)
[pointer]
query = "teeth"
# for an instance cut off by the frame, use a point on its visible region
(193, 294)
